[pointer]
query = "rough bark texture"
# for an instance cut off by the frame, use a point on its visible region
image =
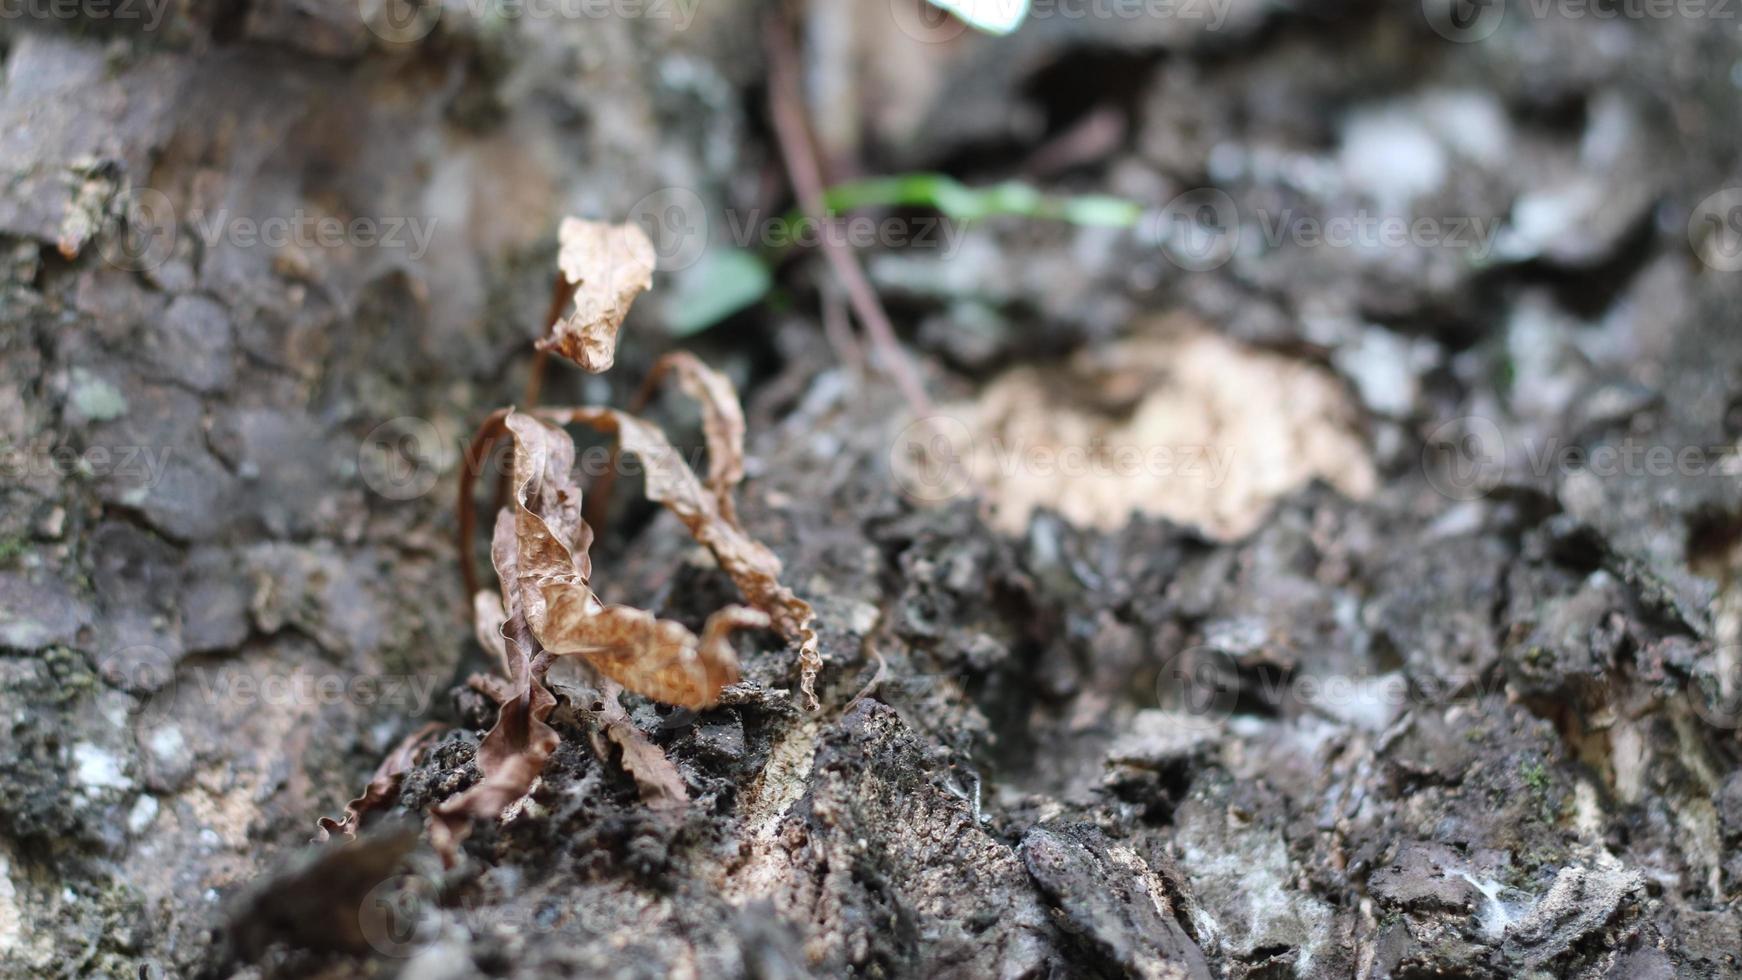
(1453, 729)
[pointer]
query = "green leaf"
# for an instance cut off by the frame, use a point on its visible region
(1103, 210)
(963, 203)
(725, 281)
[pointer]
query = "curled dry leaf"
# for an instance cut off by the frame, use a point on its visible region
(512, 754)
(758, 576)
(515, 750)
(550, 540)
(608, 266)
(723, 428)
(547, 609)
(654, 657)
(661, 785)
(488, 620)
(752, 567)
(722, 421)
(550, 575)
(383, 787)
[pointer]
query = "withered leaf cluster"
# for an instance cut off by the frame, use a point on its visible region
(539, 551)
(546, 608)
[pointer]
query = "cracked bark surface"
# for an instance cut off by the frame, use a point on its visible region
(1449, 734)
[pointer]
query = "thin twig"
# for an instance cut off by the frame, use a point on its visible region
(559, 297)
(792, 132)
(870, 647)
(839, 331)
(483, 443)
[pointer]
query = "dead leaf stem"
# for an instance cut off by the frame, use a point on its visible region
(792, 133)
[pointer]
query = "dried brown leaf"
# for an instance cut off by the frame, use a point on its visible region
(662, 786)
(722, 422)
(550, 539)
(501, 690)
(548, 609)
(510, 757)
(723, 428)
(752, 567)
(383, 787)
(532, 547)
(654, 657)
(609, 265)
(547, 561)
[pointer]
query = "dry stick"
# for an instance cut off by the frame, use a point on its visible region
(483, 442)
(559, 297)
(792, 132)
(839, 332)
(869, 646)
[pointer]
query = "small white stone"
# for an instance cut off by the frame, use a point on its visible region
(862, 617)
(1380, 363)
(1543, 217)
(11, 921)
(1471, 122)
(166, 743)
(116, 710)
(143, 813)
(97, 768)
(1391, 156)
(1227, 163)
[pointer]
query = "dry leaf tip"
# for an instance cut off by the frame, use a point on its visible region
(608, 266)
